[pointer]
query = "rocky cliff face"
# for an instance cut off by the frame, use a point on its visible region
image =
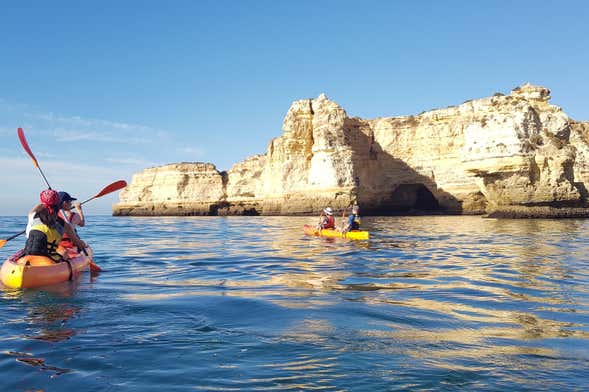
(505, 152)
(176, 189)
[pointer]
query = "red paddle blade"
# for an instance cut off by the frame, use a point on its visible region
(115, 186)
(25, 145)
(2, 242)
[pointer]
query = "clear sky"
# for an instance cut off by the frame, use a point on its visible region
(105, 89)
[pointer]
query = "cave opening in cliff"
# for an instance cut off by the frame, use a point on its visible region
(412, 199)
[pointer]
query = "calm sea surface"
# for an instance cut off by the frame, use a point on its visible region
(252, 304)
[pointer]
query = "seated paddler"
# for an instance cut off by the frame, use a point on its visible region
(45, 229)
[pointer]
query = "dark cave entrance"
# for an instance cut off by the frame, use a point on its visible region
(412, 199)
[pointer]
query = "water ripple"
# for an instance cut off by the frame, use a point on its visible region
(234, 303)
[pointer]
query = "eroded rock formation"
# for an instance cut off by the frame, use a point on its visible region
(506, 152)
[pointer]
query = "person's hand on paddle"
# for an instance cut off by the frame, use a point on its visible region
(78, 208)
(321, 215)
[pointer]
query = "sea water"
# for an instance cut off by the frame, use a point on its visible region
(252, 304)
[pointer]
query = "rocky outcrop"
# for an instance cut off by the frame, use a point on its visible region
(506, 152)
(176, 189)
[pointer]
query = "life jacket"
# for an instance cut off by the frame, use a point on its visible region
(328, 222)
(53, 237)
(356, 222)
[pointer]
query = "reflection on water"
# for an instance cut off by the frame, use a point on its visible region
(252, 304)
(44, 320)
(41, 365)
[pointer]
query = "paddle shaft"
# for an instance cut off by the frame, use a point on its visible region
(45, 178)
(16, 235)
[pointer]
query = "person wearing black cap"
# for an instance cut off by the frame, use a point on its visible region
(75, 218)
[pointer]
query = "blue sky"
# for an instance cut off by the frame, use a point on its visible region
(106, 89)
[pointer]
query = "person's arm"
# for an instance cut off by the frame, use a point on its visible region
(68, 229)
(349, 224)
(31, 216)
(81, 221)
(34, 210)
(76, 220)
(321, 220)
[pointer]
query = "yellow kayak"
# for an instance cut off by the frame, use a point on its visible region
(352, 235)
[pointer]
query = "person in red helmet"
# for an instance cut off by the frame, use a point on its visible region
(45, 229)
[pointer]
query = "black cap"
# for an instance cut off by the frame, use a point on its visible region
(64, 196)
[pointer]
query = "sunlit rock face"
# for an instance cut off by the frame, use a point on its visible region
(521, 150)
(176, 189)
(579, 139)
(309, 166)
(243, 187)
(506, 152)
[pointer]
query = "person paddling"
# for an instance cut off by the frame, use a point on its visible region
(353, 222)
(45, 230)
(327, 220)
(75, 218)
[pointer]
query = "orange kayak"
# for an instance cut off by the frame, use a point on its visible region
(35, 271)
(352, 235)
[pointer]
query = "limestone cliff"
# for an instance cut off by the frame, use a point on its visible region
(176, 189)
(492, 154)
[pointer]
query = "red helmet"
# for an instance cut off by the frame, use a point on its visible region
(49, 198)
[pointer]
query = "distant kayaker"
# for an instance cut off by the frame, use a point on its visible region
(46, 229)
(353, 222)
(326, 219)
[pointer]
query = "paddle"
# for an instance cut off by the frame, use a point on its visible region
(2, 242)
(25, 144)
(115, 186)
(318, 227)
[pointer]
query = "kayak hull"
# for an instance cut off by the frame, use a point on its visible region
(35, 271)
(352, 235)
